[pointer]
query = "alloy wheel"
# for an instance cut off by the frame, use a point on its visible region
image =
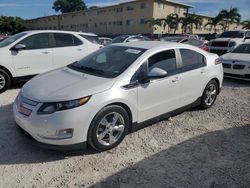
(2, 81)
(211, 92)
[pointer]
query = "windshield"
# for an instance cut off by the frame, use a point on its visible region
(243, 49)
(173, 39)
(108, 62)
(93, 39)
(232, 34)
(193, 42)
(11, 39)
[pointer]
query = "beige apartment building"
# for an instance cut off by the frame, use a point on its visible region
(124, 18)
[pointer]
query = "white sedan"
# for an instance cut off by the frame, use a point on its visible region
(236, 64)
(119, 88)
(33, 52)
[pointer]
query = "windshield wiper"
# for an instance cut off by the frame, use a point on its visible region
(84, 68)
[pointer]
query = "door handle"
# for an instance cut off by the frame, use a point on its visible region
(175, 79)
(203, 71)
(79, 49)
(45, 52)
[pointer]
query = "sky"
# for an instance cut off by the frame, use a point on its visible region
(28, 9)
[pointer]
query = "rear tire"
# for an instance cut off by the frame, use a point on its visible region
(5, 81)
(108, 128)
(210, 94)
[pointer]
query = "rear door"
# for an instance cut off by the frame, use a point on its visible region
(67, 49)
(194, 75)
(36, 57)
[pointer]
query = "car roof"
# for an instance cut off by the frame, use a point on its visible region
(151, 44)
(57, 31)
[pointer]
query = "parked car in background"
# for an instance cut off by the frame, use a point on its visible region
(119, 88)
(33, 52)
(228, 40)
(236, 64)
(130, 38)
(104, 41)
(187, 40)
(3, 37)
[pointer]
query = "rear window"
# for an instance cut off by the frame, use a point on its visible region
(192, 60)
(92, 39)
(66, 40)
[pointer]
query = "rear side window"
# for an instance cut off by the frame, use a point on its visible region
(192, 60)
(164, 60)
(92, 39)
(66, 40)
(37, 41)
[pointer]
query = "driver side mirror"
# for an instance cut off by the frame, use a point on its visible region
(19, 47)
(157, 73)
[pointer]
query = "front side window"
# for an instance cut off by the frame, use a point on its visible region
(108, 62)
(11, 39)
(192, 60)
(37, 41)
(66, 40)
(164, 60)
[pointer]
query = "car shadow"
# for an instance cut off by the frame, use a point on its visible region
(230, 82)
(215, 159)
(16, 149)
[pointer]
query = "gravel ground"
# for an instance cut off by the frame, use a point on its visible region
(197, 148)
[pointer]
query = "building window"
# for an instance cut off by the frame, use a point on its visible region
(161, 5)
(130, 8)
(177, 9)
(143, 21)
(119, 23)
(95, 24)
(119, 10)
(144, 5)
(129, 22)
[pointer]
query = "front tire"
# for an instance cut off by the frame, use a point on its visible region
(210, 94)
(5, 81)
(108, 128)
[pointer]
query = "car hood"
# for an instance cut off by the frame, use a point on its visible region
(236, 57)
(64, 84)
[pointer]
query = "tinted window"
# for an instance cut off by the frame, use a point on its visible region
(232, 34)
(37, 41)
(66, 40)
(108, 62)
(192, 60)
(193, 42)
(11, 39)
(165, 60)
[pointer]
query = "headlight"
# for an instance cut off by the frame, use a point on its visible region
(231, 44)
(49, 108)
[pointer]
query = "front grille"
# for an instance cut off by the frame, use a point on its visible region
(218, 52)
(225, 65)
(238, 67)
(219, 44)
(246, 76)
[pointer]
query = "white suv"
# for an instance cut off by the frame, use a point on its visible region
(228, 41)
(115, 90)
(33, 52)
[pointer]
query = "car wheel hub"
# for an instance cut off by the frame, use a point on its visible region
(110, 129)
(210, 94)
(2, 81)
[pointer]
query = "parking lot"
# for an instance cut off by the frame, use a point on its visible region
(198, 148)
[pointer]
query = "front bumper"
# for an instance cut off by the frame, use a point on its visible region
(32, 141)
(41, 127)
(239, 70)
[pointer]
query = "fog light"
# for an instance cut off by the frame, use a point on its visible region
(59, 134)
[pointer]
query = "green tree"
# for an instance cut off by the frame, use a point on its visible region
(213, 23)
(246, 24)
(154, 23)
(65, 6)
(173, 22)
(11, 25)
(229, 17)
(190, 21)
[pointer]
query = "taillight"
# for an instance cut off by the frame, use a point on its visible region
(217, 61)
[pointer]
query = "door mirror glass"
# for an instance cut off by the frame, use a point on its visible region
(19, 47)
(156, 73)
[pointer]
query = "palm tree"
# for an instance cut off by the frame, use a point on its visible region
(230, 16)
(213, 23)
(190, 21)
(173, 22)
(246, 24)
(154, 23)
